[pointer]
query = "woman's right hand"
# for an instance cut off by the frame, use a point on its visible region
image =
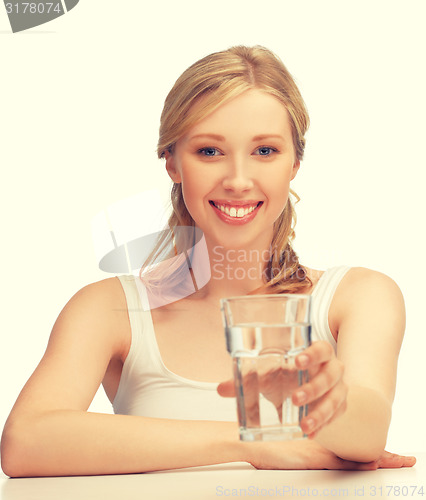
(310, 455)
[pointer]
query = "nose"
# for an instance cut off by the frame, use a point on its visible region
(238, 176)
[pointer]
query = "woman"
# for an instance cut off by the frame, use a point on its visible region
(232, 134)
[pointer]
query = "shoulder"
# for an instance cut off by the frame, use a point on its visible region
(97, 309)
(360, 281)
(101, 290)
(101, 300)
(107, 293)
(369, 293)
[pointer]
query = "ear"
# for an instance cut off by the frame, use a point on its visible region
(296, 167)
(171, 168)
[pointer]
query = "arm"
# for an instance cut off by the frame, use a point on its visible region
(50, 432)
(67, 443)
(371, 321)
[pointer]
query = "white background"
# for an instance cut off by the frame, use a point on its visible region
(80, 100)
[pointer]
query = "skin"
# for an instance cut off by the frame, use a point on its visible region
(50, 432)
(237, 165)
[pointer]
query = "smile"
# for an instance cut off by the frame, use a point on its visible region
(236, 210)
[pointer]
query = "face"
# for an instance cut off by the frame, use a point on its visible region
(235, 167)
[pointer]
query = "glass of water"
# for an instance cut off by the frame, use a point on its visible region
(264, 334)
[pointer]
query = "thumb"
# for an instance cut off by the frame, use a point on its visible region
(226, 389)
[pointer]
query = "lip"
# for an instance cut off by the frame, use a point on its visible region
(236, 221)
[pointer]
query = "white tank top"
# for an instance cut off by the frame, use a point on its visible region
(147, 388)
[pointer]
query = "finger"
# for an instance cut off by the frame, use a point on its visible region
(226, 389)
(389, 461)
(329, 375)
(330, 407)
(317, 353)
(394, 461)
(409, 461)
(313, 423)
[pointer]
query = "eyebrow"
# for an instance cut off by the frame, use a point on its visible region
(267, 136)
(221, 138)
(209, 136)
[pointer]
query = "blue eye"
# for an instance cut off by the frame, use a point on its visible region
(265, 151)
(208, 151)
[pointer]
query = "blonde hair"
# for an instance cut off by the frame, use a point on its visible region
(217, 78)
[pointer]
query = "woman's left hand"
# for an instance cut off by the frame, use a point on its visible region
(325, 392)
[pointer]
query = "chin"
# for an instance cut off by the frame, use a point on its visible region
(235, 243)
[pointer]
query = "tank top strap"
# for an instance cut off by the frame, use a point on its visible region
(322, 296)
(140, 318)
(135, 301)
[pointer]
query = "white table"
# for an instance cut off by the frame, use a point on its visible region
(238, 480)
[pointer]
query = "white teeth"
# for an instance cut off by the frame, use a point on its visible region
(235, 212)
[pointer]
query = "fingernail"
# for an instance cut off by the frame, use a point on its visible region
(303, 360)
(301, 397)
(309, 424)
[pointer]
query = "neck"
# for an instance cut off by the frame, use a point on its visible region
(234, 271)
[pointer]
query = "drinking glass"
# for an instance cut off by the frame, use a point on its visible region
(264, 334)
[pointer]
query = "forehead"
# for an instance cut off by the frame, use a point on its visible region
(253, 112)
